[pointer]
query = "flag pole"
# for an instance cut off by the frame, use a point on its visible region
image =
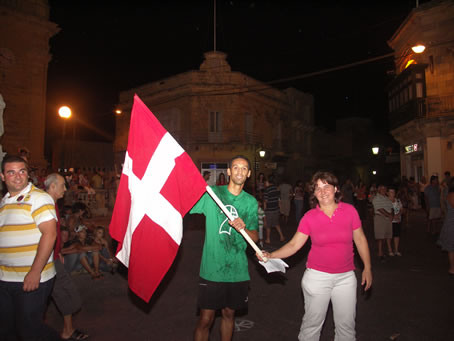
(231, 218)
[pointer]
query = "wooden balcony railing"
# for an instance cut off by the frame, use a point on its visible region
(432, 106)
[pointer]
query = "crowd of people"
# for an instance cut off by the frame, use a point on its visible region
(92, 186)
(332, 215)
(84, 244)
(392, 207)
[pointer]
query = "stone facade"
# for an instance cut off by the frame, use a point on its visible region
(422, 96)
(25, 31)
(215, 113)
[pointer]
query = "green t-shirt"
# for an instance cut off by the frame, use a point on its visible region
(224, 257)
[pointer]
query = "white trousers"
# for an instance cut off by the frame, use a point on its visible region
(318, 289)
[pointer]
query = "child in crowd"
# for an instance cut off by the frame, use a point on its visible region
(261, 215)
(107, 260)
(82, 252)
(397, 218)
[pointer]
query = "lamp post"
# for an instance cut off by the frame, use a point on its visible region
(262, 154)
(375, 152)
(65, 113)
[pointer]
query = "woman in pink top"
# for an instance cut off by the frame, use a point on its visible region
(333, 227)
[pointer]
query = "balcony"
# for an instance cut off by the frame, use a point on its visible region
(429, 107)
(411, 110)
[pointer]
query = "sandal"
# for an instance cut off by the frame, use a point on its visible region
(77, 335)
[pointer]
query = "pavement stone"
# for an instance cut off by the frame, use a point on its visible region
(412, 297)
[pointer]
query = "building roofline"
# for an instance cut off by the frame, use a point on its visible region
(414, 13)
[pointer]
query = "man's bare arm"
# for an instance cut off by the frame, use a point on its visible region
(45, 246)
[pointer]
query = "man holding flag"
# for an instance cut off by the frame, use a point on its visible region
(154, 195)
(224, 275)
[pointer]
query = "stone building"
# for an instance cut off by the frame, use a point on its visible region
(216, 113)
(421, 97)
(25, 31)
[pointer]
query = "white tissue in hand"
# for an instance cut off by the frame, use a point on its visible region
(274, 264)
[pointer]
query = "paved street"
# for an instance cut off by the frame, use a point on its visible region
(412, 296)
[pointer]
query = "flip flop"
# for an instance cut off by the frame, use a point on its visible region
(77, 335)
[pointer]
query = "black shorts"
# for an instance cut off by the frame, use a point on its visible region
(219, 295)
(396, 229)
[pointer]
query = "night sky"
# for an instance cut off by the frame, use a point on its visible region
(106, 47)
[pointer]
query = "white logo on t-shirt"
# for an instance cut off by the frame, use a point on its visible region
(225, 227)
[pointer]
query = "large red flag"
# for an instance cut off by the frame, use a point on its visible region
(158, 185)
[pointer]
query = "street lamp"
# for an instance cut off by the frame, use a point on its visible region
(419, 48)
(65, 113)
(262, 154)
(375, 150)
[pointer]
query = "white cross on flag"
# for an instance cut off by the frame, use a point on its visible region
(158, 186)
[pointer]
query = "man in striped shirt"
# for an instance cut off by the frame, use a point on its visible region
(27, 237)
(272, 199)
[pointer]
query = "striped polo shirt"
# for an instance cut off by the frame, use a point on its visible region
(20, 217)
(272, 196)
(380, 201)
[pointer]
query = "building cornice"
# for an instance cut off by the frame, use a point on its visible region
(419, 129)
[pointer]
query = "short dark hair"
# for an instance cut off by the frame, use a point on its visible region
(11, 159)
(328, 178)
(240, 157)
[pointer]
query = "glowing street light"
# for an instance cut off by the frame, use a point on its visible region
(262, 153)
(375, 150)
(118, 111)
(419, 48)
(64, 112)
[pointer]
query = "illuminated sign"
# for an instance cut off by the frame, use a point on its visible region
(412, 148)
